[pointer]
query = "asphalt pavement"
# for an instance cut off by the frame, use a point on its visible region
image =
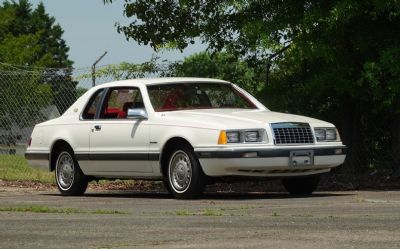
(109, 219)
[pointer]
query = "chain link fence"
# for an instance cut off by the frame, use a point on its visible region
(30, 96)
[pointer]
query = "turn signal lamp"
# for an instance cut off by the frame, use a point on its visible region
(222, 139)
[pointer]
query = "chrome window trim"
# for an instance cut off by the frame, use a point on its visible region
(101, 103)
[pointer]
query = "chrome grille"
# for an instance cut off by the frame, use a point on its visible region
(292, 133)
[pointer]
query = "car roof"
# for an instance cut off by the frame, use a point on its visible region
(157, 81)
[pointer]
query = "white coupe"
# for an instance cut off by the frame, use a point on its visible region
(186, 132)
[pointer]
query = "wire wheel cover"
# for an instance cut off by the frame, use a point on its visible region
(65, 170)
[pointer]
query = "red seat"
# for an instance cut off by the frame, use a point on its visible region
(171, 102)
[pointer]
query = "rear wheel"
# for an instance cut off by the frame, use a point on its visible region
(186, 179)
(69, 177)
(301, 185)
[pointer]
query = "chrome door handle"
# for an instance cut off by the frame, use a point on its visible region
(97, 127)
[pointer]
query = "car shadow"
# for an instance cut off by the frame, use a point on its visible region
(207, 195)
(267, 195)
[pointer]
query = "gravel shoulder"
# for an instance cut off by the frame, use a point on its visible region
(129, 219)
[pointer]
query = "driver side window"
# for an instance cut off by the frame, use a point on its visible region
(119, 100)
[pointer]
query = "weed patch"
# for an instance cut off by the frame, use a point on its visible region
(45, 209)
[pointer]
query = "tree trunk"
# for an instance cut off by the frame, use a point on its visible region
(395, 132)
(351, 134)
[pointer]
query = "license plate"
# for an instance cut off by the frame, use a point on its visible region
(301, 158)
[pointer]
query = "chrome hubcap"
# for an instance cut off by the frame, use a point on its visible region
(180, 171)
(65, 170)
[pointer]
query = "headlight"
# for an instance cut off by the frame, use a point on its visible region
(325, 134)
(252, 136)
(320, 134)
(331, 134)
(233, 136)
(242, 136)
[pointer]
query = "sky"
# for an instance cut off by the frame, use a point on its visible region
(89, 31)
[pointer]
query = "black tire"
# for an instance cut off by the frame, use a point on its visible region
(301, 185)
(166, 186)
(69, 176)
(186, 179)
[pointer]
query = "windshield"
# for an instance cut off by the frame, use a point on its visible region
(186, 96)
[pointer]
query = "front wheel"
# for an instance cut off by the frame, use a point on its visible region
(301, 185)
(69, 177)
(186, 179)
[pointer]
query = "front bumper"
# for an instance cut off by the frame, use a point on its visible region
(272, 161)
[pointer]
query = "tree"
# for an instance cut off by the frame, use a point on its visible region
(332, 68)
(330, 59)
(30, 37)
(221, 65)
(221, 24)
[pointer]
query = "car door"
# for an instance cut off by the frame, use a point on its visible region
(118, 145)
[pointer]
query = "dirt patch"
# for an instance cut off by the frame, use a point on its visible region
(373, 180)
(329, 182)
(27, 185)
(139, 185)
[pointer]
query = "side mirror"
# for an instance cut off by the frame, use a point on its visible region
(137, 113)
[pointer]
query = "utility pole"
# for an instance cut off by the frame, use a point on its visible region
(94, 68)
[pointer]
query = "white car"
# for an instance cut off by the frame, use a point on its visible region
(186, 132)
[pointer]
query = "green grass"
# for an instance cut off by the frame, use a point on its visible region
(13, 168)
(223, 211)
(204, 212)
(184, 212)
(103, 211)
(212, 212)
(45, 209)
(41, 209)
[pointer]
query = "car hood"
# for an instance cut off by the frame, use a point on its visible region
(239, 118)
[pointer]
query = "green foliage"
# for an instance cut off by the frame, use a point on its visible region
(80, 91)
(30, 38)
(222, 65)
(244, 26)
(382, 76)
(126, 70)
(345, 70)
